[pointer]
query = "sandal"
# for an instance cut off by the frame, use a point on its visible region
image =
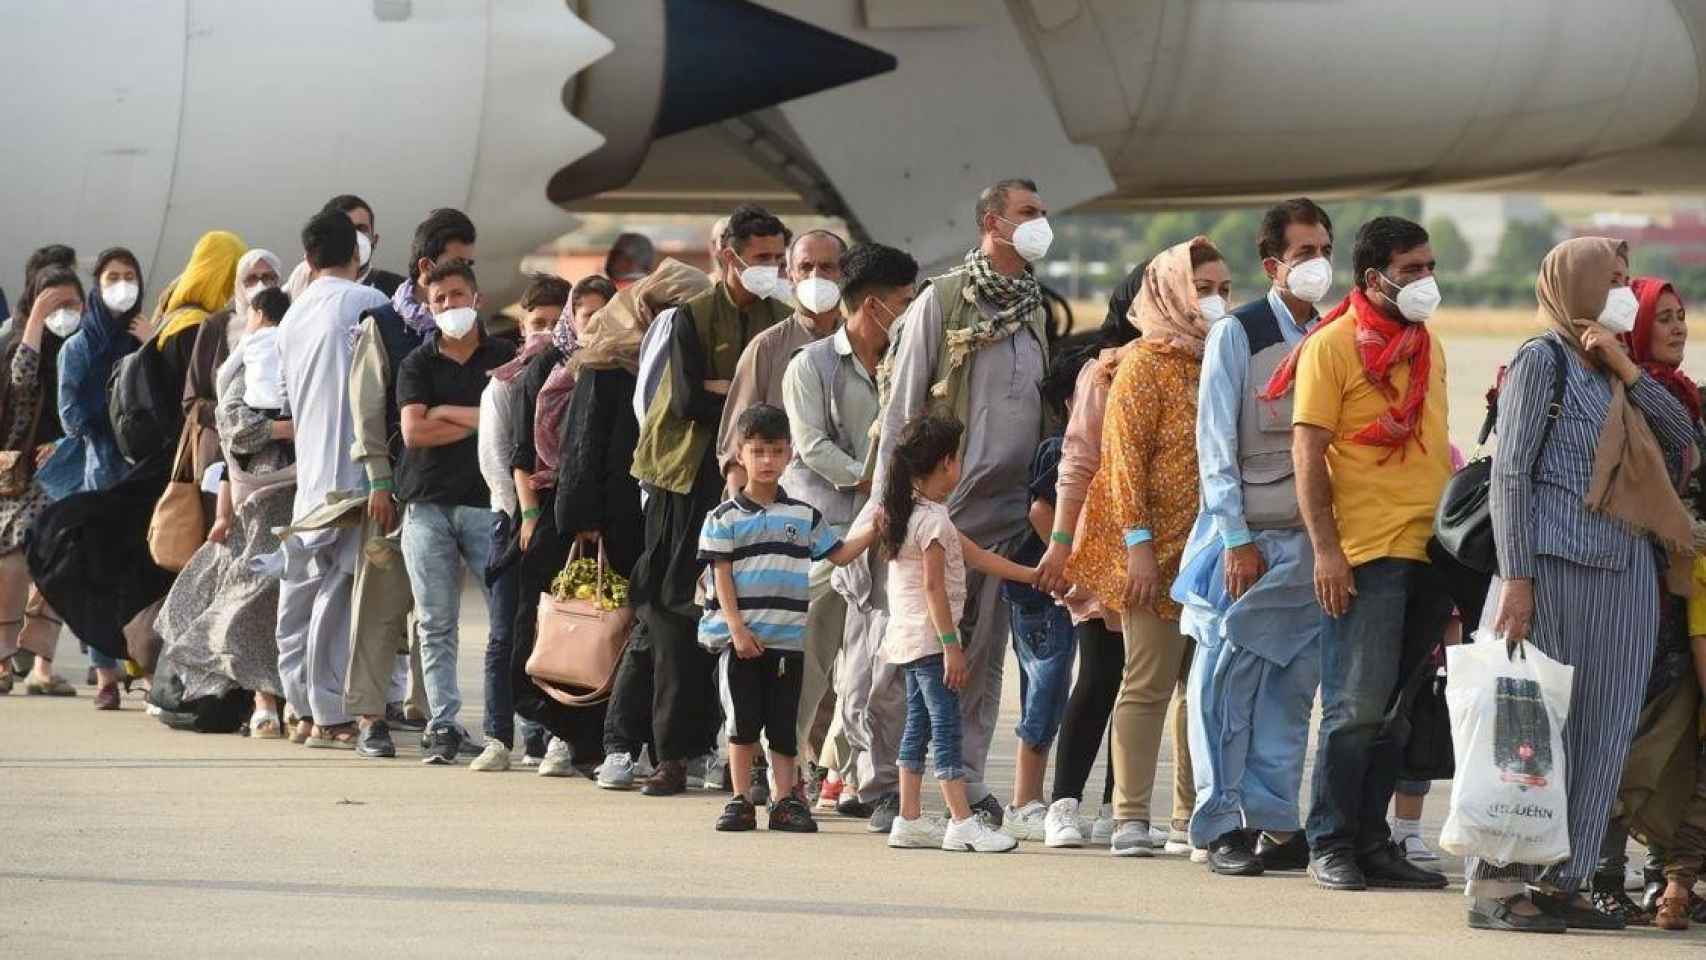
(339, 737)
(1672, 914)
(304, 729)
(264, 725)
(54, 686)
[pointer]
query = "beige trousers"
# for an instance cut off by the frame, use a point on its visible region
(1157, 663)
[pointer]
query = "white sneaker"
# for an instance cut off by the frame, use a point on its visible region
(1199, 855)
(921, 834)
(617, 772)
(1102, 831)
(1178, 844)
(1416, 849)
(1131, 839)
(1025, 823)
(703, 770)
(493, 759)
(975, 836)
(1060, 826)
(556, 762)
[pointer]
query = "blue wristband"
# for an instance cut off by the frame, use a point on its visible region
(1137, 536)
(1236, 538)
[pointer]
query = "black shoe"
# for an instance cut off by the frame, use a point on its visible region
(851, 806)
(1388, 868)
(669, 780)
(442, 747)
(1485, 914)
(1577, 916)
(758, 786)
(397, 717)
(1290, 855)
(374, 742)
(1232, 855)
(790, 815)
(738, 815)
(1618, 903)
(988, 809)
(883, 814)
(1337, 870)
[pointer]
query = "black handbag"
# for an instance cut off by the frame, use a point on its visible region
(1428, 754)
(1463, 524)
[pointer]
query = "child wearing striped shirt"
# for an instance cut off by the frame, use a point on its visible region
(760, 546)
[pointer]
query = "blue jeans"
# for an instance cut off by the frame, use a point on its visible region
(503, 595)
(1398, 615)
(439, 543)
(1044, 643)
(932, 715)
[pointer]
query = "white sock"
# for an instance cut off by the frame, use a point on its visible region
(1402, 828)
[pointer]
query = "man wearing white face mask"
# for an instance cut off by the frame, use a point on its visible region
(447, 516)
(975, 347)
(1372, 456)
(676, 462)
(1244, 583)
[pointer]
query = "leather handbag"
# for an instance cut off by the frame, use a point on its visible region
(1419, 725)
(179, 525)
(1463, 524)
(18, 467)
(578, 643)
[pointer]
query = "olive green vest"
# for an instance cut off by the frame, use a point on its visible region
(671, 449)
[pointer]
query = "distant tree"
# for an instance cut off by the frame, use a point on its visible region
(1524, 244)
(1451, 248)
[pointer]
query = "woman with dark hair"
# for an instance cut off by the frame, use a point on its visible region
(29, 427)
(106, 335)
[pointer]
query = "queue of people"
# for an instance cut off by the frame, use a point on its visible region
(836, 494)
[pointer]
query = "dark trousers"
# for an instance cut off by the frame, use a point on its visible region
(1398, 615)
(628, 723)
(582, 728)
(501, 597)
(1101, 663)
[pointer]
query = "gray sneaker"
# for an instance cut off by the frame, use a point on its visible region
(1131, 839)
(989, 811)
(882, 817)
(617, 773)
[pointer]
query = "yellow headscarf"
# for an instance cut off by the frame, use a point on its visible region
(204, 286)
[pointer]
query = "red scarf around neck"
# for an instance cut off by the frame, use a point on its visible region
(1382, 343)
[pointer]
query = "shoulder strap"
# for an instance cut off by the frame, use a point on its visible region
(1554, 410)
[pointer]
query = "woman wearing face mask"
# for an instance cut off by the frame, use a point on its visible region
(1588, 525)
(1136, 519)
(87, 360)
(29, 426)
(542, 400)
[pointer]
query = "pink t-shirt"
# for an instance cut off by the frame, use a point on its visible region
(911, 636)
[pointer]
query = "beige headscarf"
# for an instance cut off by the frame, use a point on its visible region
(613, 335)
(1630, 480)
(1165, 311)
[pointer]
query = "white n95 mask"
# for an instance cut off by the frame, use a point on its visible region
(1032, 239)
(1212, 308)
(120, 296)
(364, 247)
(64, 322)
(1310, 280)
(456, 322)
(817, 294)
(1618, 314)
(1418, 300)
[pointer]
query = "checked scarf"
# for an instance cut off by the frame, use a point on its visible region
(1382, 343)
(1013, 299)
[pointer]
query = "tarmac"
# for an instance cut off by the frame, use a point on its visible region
(126, 838)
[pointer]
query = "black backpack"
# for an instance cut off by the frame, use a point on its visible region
(145, 418)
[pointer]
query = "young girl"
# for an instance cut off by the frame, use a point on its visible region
(927, 561)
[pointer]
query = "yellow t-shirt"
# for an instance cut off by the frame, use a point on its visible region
(1383, 509)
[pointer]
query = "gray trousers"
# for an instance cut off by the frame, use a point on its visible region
(825, 621)
(314, 639)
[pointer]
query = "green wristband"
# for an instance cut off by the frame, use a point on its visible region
(950, 639)
(532, 513)
(1061, 537)
(377, 485)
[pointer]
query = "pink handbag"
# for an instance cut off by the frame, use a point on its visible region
(579, 644)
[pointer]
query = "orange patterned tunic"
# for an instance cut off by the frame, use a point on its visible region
(1148, 477)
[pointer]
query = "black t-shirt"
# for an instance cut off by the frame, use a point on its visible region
(448, 475)
(1045, 472)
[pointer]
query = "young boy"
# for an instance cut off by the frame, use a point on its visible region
(760, 546)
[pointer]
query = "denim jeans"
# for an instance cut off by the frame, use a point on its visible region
(932, 716)
(1044, 643)
(1397, 616)
(439, 544)
(502, 597)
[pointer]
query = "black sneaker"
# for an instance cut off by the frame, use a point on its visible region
(758, 786)
(375, 743)
(790, 815)
(398, 717)
(851, 806)
(989, 811)
(442, 746)
(883, 814)
(739, 815)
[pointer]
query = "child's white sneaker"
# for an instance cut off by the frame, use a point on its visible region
(975, 836)
(1025, 823)
(1060, 827)
(921, 834)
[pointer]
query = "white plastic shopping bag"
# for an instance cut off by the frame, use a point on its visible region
(1508, 803)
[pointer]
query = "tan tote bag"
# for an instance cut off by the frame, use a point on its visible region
(578, 644)
(179, 527)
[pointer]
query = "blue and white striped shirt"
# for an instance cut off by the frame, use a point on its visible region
(771, 549)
